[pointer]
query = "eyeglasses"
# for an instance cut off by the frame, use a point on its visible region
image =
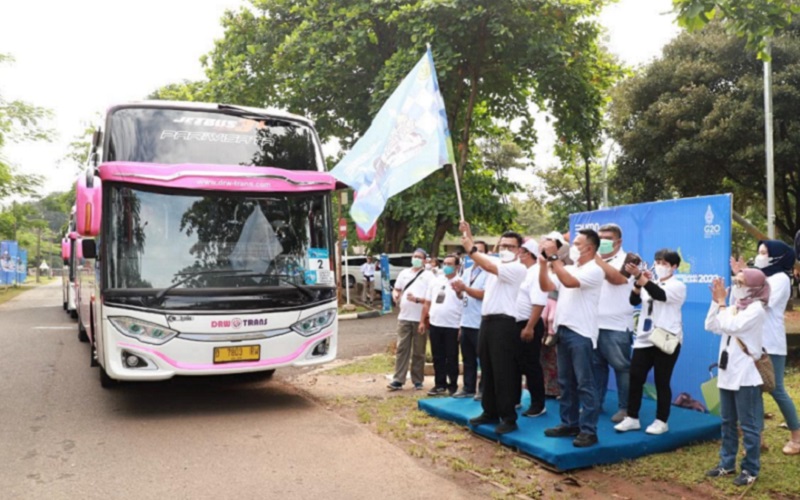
(508, 247)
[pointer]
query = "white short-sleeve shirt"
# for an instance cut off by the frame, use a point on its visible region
(446, 307)
(615, 310)
(500, 295)
(410, 311)
(577, 307)
(530, 294)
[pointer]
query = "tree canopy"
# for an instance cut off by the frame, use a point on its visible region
(498, 62)
(691, 123)
(19, 121)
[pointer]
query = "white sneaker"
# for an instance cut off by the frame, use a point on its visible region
(657, 427)
(628, 424)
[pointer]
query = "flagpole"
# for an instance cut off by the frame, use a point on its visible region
(458, 193)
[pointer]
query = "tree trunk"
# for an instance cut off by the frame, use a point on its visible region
(588, 185)
(443, 224)
(394, 233)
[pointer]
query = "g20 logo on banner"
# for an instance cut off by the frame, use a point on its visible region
(711, 230)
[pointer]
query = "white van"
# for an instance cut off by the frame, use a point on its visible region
(397, 262)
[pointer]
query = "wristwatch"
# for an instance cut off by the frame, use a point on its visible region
(473, 250)
(553, 258)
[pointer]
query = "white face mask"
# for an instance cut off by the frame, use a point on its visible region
(574, 253)
(663, 271)
(428, 267)
(507, 255)
(761, 261)
(740, 292)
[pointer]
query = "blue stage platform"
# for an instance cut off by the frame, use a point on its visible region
(685, 427)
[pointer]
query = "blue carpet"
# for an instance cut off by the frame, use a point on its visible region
(685, 427)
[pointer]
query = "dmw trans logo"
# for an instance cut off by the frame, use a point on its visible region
(595, 226)
(711, 230)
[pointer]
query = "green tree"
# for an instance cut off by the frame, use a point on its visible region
(19, 121)
(338, 61)
(692, 123)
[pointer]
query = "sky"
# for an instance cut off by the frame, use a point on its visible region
(78, 57)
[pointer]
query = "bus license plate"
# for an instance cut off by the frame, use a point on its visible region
(239, 353)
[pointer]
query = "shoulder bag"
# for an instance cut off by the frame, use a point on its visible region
(666, 341)
(764, 367)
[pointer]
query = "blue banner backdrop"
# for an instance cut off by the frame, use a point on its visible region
(699, 229)
(386, 286)
(8, 262)
(22, 266)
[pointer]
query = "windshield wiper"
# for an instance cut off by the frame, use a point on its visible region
(246, 113)
(191, 274)
(308, 293)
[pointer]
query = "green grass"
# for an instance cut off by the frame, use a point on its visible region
(779, 473)
(377, 364)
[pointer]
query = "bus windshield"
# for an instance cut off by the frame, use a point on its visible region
(174, 136)
(219, 240)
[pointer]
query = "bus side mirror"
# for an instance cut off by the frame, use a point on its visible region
(89, 202)
(65, 249)
(89, 249)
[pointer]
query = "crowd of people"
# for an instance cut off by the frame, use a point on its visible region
(528, 294)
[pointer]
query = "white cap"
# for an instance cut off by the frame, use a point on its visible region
(556, 236)
(531, 246)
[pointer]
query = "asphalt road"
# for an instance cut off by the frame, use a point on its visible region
(63, 436)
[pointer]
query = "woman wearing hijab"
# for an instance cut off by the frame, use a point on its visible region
(741, 404)
(776, 260)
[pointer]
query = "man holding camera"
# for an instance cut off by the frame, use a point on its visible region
(578, 288)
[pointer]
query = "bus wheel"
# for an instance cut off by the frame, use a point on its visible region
(82, 336)
(107, 382)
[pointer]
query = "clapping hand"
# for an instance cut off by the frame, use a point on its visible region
(718, 291)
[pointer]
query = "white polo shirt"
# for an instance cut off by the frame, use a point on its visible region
(666, 315)
(746, 325)
(500, 295)
(446, 307)
(577, 307)
(530, 294)
(780, 291)
(410, 311)
(615, 311)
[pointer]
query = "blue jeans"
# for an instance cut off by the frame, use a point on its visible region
(576, 381)
(613, 348)
(780, 395)
(745, 407)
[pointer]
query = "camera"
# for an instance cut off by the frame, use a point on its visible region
(723, 360)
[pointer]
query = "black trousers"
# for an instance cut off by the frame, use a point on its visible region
(444, 350)
(662, 364)
(500, 371)
(530, 364)
(469, 356)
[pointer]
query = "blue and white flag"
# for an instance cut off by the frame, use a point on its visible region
(407, 141)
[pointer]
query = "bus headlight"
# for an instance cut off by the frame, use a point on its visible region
(147, 332)
(315, 323)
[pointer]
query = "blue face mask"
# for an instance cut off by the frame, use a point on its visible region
(449, 270)
(606, 247)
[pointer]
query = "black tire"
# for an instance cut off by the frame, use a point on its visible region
(93, 355)
(107, 382)
(82, 336)
(349, 281)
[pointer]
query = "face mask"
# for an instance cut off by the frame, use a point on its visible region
(428, 267)
(663, 271)
(740, 292)
(415, 262)
(606, 247)
(449, 270)
(574, 253)
(506, 255)
(761, 261)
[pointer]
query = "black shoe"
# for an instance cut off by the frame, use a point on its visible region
(534, 412)
(718, 471)
(583, 440)
(437, 391)
(482, 419)
(505, 427)
(463, 394)
(562, 431)
(744, 479)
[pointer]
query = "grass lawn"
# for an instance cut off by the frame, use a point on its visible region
(397, 418)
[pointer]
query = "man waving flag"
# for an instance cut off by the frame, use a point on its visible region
(407, 141)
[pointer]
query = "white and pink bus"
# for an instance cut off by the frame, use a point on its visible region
(70, 251)
(207, 243)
